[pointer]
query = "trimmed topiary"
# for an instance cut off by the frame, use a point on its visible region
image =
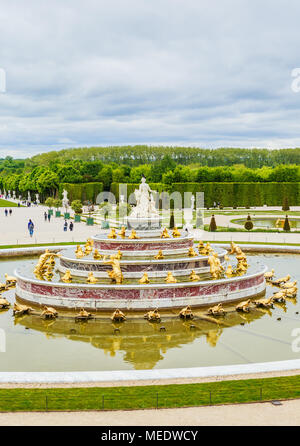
(172, 220)
(212, 225)
(286, 226)
(248, 224)
(285, 205)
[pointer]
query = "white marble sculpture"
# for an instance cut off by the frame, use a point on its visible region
(192, 201)
(29, 197)
(145, 205)
(37, 198)
(65, 200)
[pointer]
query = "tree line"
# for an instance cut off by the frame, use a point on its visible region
(44, 173)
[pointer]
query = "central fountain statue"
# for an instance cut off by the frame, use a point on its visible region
(144, 216)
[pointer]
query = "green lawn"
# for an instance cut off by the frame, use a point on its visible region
(7, 204)
(142, 397)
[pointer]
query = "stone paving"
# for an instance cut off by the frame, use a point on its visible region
(14, 230)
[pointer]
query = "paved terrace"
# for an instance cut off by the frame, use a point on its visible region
(14, 229)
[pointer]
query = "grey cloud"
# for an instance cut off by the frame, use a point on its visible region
(210, 73)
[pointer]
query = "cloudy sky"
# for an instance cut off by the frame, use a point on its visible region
(209, 73)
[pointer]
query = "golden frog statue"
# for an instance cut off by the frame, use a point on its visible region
(97, 255)
(176, 233)
(165, 234)
(122, 233)
(229, 271)
(112, 233)
(144, 279)
(118, 316)
(159, 255)
(79, 253)
(170, 278)
(67, 277)
(194, 277)
(192, 252)
(133, 235)
(91, 278)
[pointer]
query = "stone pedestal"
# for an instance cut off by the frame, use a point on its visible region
(143, 224)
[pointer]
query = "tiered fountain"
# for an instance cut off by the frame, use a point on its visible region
(138, 268)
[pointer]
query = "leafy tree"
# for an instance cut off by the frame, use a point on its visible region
(105, 176)
(68, 174)
(50, 202)
(57, 203)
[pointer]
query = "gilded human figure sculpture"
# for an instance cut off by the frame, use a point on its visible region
(115, 274)
(45, 260)
(215, 266)
(229, 271)
(119, 255)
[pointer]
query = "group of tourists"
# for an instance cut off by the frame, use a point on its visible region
(47, 216)
(71, 226)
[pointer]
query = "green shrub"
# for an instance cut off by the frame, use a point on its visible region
(49, 202)
(76, 205)
(248, 225)
(57, 203)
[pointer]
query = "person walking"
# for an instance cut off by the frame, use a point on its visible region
(30, 227)
(49, 217)
(6, 212)
(65, 225)
(10, 212)
(45, 216)
(71, 225)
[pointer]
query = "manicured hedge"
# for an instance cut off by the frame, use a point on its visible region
(230, 194)
(81, 191)
(243, 194)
